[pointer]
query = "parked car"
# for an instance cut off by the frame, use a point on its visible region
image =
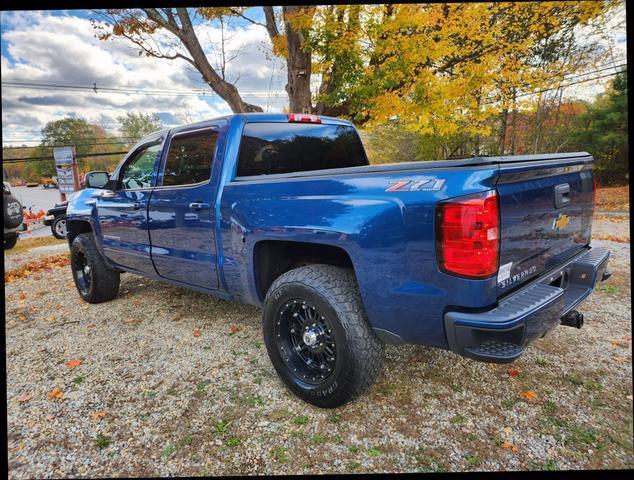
(480, 256)
(13, 216)
(56, 219)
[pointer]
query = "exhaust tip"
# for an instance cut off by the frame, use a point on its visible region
(573, 319)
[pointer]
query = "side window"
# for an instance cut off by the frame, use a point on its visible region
(189, 158)
(137, 172)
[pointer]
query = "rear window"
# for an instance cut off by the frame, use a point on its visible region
(268, 148)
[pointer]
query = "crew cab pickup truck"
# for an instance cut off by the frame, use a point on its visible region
(480, 256)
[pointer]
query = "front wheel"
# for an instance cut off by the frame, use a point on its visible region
(95, 282)
(58, 227)
(10, 241)
(318, 337)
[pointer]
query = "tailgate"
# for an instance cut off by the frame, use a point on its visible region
(546, 207)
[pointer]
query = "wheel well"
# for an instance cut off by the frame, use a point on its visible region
(272, 258)
(75, 228)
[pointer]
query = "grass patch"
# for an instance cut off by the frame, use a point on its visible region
(334, 418)
(354, 448)
(221, 427)
(374, 452)
(541, 362)
(187, 440)
(103, 441)
(149, 394)
(352, 466)
(509, 402)
(232, 442)
(279, 455)
(550, 407)
(473, 460)
(582, 435)
(317, 439)
(29, 243)
(609, 289)
(588, 384)
(300, 420)
(548, 466)
(458, 420)
(79, 379)
(169, 450)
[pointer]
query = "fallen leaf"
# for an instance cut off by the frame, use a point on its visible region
(22, 295)
(91, 325)
(619, 343)
(98, 415)
(133, 321)
(25, 398)
(510, 446)
(196, 332)
(513, 372)
(234, 329)
(629, 397)
(508, 430)
(55, 393)
(618, 359)
(21, 316)
(73, 363)
(528, 395)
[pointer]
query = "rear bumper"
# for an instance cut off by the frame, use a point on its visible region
(500, 335)
(48, 220)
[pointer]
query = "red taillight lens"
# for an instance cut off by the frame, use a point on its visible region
(303, 117)
(468, 235)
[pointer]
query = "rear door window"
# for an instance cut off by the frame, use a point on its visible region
(189, 158)
(270, 148)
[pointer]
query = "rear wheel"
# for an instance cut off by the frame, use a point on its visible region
(95, 282)
(58, 227)
(318, 337)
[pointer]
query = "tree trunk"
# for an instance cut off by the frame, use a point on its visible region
(298, 63)
(228, 92)
(513, 121)
(503, 123)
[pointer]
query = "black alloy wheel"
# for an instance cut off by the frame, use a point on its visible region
(306, 341)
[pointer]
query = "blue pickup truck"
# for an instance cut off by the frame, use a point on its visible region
(480, 256)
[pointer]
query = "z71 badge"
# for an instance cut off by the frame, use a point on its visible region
(420, 184)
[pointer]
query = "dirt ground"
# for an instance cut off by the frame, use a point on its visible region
(165, 381)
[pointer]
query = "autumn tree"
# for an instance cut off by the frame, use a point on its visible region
(134, 126)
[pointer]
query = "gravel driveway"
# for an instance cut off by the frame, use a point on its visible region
(164, 381)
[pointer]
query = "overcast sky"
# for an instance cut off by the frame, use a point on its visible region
(60, 47)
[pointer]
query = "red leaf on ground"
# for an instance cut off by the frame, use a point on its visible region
(56, 393)
(234, 329)
(197, 332)
(73, 363)
(513, 372)
(528, 395)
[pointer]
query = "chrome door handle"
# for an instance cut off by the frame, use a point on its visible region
(106, 194)
(199, 206)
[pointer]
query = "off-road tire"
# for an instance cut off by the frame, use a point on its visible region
(55, 224)
(10, 241)
(104, 284)
(359, 353)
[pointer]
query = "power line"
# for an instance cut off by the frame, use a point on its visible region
(38, 159)
(127, 91)
(68, 139)
(74, 144)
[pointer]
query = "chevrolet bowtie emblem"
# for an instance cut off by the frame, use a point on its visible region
(561, 221)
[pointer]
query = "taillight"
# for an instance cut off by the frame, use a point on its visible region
(303, 117)
(468, 235)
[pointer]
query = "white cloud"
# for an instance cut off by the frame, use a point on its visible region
(63, 49)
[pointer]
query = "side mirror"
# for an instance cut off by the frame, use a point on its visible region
(96, 179)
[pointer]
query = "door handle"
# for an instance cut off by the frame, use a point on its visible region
(199, 206)
(137, 205)
(106, 194)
